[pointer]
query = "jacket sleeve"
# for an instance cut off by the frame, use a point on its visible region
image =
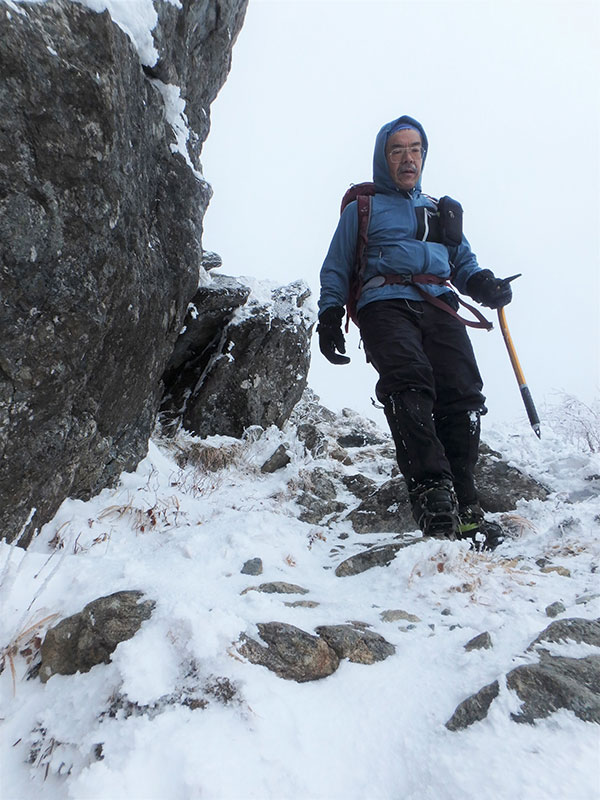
(337, 269)
(463, 263)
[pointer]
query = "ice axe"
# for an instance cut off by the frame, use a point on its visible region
(534, 420)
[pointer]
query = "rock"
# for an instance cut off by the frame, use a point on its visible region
(320, 483)
(576, 629)
(393, 615)
(211, 260)
(554, 609)
(278, 460)
(386, 510)
(359, 438)
(560, 570)
(357, 645)
(379, 556)
(554, 682)
(254, 566)
(256, 372)
(302, 604)
(501, 486)
(100, 240)
(88, 638)
(557, 682)
(341, 455)
(210, 311)
(481, 642)
(360, 486)
(474, 708)
(318, 496)
(314, 441)
(586, 598)
(194, 52)
(291, 653)
(277, 587)
(316, 509)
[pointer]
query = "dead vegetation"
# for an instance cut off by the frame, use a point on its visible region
(27, 644)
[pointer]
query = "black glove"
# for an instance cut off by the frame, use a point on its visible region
(485, 288)
(331, 337)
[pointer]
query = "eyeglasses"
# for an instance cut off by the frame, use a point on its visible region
(397, 152)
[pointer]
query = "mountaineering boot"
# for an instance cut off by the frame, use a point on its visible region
(485, 534)
(435, 508)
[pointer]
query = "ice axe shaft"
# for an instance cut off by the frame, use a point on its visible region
(534, 420)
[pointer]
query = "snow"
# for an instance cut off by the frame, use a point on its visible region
(175, 116)
(181, 534)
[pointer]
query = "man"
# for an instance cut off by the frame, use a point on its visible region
(429, 382)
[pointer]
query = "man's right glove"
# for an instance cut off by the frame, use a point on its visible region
(331, 337)
(485, 288)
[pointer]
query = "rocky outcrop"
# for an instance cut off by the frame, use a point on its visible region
(500, 485)
(100, 224)
(552, 683)
(248, 368)
(88, 638)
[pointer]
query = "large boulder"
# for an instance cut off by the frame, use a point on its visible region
(100, 251)
(250, 369)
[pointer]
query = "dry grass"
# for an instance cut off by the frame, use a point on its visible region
(468, 568)
(162, 514)
(27, 644)
(516, 526)
(208, 458)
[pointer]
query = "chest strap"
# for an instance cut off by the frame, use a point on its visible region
(407, 279)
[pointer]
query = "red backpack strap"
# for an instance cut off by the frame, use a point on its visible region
(407, 279)
(363, 207)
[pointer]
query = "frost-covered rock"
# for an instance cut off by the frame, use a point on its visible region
(557, 682)
(552, 683)
(482, 641)
(101, 206)
(88, 638)
(356, 644)
(291, 653)
(501, 485)
(474, 708)
(379, 556)
(253, 371)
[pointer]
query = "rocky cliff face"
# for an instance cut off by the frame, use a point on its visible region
(100, 237)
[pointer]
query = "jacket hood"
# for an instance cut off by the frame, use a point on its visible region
(381, 174)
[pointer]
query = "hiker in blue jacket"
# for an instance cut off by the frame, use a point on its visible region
(429, 382)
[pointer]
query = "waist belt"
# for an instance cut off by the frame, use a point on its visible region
(408, 279)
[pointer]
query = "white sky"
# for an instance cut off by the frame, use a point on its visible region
(508, 94)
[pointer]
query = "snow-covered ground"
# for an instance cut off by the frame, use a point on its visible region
(181, 535)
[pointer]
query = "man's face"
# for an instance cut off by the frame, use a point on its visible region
(404, 155)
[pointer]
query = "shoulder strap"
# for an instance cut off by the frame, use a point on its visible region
(363, 207)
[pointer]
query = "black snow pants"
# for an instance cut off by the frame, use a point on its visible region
(430, 387)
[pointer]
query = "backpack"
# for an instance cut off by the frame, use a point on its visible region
(444, 225)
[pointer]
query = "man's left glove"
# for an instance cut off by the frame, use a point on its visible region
(485, 288)
(331, 337)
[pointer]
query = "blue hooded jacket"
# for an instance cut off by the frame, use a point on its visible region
(392, 247)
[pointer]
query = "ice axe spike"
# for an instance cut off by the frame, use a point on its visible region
(534, 420)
